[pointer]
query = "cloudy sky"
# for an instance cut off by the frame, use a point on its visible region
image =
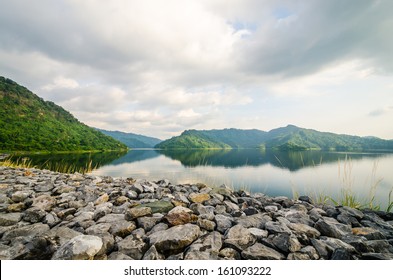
(160, 67)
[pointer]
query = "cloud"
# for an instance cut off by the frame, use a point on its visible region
(381, 111)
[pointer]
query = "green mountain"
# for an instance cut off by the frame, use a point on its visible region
(214, 139)
(28, 123)
(285, 138)
(132, 140)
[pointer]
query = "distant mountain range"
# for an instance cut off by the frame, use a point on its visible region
(284, 138)
(132, 140)
(28, 123)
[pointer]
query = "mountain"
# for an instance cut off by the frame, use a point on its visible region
(284, 138)
(28, 123)
(132, 140)
(215, 139)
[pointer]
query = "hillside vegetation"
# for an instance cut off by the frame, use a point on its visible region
(132, 140)
(28, 123)
(285, 138)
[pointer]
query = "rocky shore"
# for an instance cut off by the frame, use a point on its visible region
(49, 215)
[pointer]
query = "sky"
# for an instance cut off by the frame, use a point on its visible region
(158, 68)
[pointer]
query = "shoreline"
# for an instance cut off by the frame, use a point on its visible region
(51, 215)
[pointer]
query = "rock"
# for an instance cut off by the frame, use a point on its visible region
(51, 219)
(34, 215)
(341, 254)
(230, 206)
(132, 247)
(250, 211)
(330, 227)
(119, 256)
(206, 224)
(199, 197)
(223, 222)
(204, 212)
(9, 219)
(159, 227)
(98, 229)
(174, 238)
(122, 228)
(310, 251)
(102, 199)
(206, 247)
(28, 231)
(229, 254)
(271, 208)
(261, 252)
(179, 216)
(16, 207)
(255, 221)
(305, 198)
(20, 196)
(160, 206)
(62, 234)
(368, 232)
(152, 254)
(137, 188)
(298, 256)
(380, 246)
(137, 212)
(258, 233)
(102, 210)
(277, 227)
(351, 212)
(239, 238)
(377, 256)
(304, 232)
(82, 247)
(348, 220)
(63, 214)
(120, 200)
(45, 187)
(286, 243)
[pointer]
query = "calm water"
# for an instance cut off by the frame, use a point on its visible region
(274, 173)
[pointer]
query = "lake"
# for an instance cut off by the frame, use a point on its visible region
(315, 173)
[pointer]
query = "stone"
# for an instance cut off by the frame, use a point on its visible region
(310, 251)
(98, 229)
(239, 238)
(286, 243)
(258, 233)
(230, 206)
(229, 254)
(259, 251)
(223, 222)
(82, 247)
(377, 256)
(62, 234)
(304, 232)
(102, 199)
(380, 246)
(351, 212)
(51, 219)
(160, 206)
(206, 247)
(137, 188)
(204, 212)
(16, 207)
(250, 211)
(119, 256)
(132, 247)
(298, 256)
(136, 212)
(179, 216)
(277, 227)
(341, 254)
(20, 196)
(159, 227)
(9, 219)
(358, 242)
(45, 187)
(199, 197)
(26, 231)
(122, 228)
(332, 228)
(368, 232)
(63, 214)
(102, 210)
(334, 243)
(271, 208)
(256, 221)
(305, 198)
(152, 254)
(348, 220)
(175, 238)
(206, 224)
(34, 215)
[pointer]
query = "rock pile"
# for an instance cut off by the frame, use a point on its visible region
(49, 215)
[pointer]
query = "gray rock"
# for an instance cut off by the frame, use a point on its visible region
(369, 233)
(119, 256)
(152, 254)
(206, 247)
(160, 206)
(9, 219)
(34, 215)
(98, 229)
(348, 220)
(380, 246)
(206, 224)
(310, 251)
(62, 234)
(255, 221)
(20, 196)
(351, 212)
(137, 188)
(51, 219)
(122, 228)
(223, 222)
(239, 238)
(159, 227)
(286, 243)
(28, 231)
(304, 232)
(102, 210)
(136, 212)
(377, 256)
(277, 227)
(229, 254)
(179, 216)
(271, 208)
(204, 212)
(174, 238)
(82, 247)
(44, 187)
(45, 202)
(341, 254)
(147, 223)
(259, 251)
(330, 227)
(132, 247)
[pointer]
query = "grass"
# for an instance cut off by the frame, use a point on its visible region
(60, 166)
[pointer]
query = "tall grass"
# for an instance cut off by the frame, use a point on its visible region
(58, 166)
